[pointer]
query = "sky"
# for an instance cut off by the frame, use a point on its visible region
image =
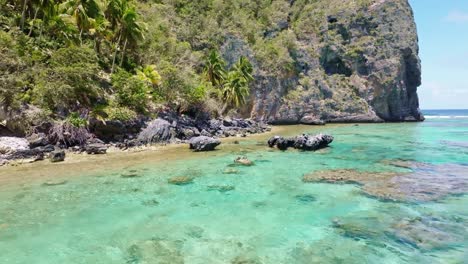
(443, 45)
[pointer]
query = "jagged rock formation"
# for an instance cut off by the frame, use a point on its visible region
(351, 61)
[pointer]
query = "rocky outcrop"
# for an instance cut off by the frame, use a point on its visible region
(302, 142)
(171, 127)
(57, 156)
(345, 61)
(203, 143)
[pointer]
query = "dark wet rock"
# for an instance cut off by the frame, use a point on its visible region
(57, 156)
(303, 142)
(305, 198)
(157, 131)
(203, 143)
(221, 188)
(38, 140)
(425, 182)
(181, 180)
(115, 130)
(244, 161)
(96, 148)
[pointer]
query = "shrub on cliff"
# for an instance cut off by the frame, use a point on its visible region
(70, 81)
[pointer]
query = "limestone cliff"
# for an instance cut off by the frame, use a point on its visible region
(350, 61)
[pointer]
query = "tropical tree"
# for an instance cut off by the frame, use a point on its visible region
(214, 69)
(128, 29)
(244, 66)
(149, 75)
(235, 90)
(84, 13)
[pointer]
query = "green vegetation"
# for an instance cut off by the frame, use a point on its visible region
(117, 59)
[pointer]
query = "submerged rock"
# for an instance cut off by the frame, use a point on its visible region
(303, 142)
(203, 143)
(230, 171)
(57, 156)
(54, 183)
(221, 188)
(155, 251)
(180, 180)
(305, 198)
(426, 182)
(244, 161)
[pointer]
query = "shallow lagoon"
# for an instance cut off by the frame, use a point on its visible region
(84, 211)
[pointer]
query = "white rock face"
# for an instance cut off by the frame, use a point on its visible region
(12, 144)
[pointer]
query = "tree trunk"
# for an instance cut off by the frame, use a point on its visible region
(23, 14)
(123, 52)
(32, 26)
(115, 54)
(223, 110)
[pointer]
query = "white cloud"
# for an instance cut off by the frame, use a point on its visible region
(457, 17)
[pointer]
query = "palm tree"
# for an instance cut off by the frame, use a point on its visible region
(44, 6)
(149, 75)
(214, 70)
(235, 91)
(244, 66)
(84, 13)
(129, 29)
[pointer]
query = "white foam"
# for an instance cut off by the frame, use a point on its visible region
(443, 117)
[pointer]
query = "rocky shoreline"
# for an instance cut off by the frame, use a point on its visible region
(168, 128)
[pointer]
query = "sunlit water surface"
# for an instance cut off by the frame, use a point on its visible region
(262, 214)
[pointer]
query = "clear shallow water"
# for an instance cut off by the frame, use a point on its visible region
(262, 214)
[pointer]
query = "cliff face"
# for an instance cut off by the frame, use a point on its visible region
(350, 61)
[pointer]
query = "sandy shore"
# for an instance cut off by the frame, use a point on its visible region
(116, 159)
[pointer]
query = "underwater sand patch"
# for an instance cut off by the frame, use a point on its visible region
(425, 182)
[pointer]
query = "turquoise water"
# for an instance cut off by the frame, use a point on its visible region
(261, 214)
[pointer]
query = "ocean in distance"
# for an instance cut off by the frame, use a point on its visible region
(382, 193)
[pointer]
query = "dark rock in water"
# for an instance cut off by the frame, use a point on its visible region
(306, 198)
(57, 156)
(221, 188)
(180, 180)
(203, 143)
(96, 148)
(284, 143)
(157, 131)
(151, 202)
(272, 141)
(303, 142)
(244, 161)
